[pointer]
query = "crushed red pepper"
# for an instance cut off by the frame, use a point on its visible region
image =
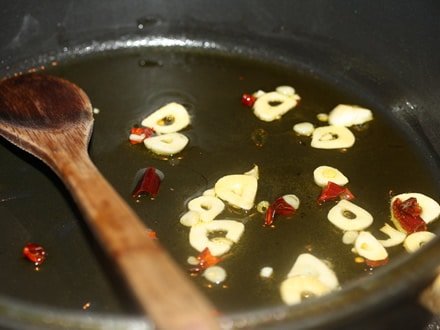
(278, 207)
(35, 253)
(248, 100)
(333, 191)
(142, 132)
(376, 263)
(206, 259)
(407, 213)
(149, 183)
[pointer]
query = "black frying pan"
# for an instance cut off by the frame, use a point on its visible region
(205, 57)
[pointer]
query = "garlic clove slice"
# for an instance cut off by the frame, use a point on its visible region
(369, 247)
(190, 218)
(307, 264)
(396, 237)
(264, 109)
(294, 288)
(348, 216)
(349, 115)
(238, 190)
(170, 118)
(430, 208)
(208, 207)
(304, 128)
(416, 240)
(323, 174)
(332, 137)
(199, 236)
(166, 144)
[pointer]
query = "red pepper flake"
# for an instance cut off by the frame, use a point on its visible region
(248, 100)
(149, 183)
(407, 213)
(278, 207)
(376, 263)
(35, 253)
(334, 191)
(151, 234)
(206, 259)
(139, 134)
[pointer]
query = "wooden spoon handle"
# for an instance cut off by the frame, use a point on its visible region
(163, 290)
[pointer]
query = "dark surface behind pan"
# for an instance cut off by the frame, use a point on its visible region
(389, 47)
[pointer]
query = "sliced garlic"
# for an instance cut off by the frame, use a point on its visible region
(349, 237)
(348, 216)
(170, 118)
(396, 236)
(264, 109)
(305, 128)
(369, 247)
(332, 137)
(322, 117)
(190, 218)
(199, 236)
(266, 272)
(166, 144)
(286, 90)
(349, 115)
(307, 264)
(253, 172)
(430, 208)
(323, 174)
(208, 207)
(238, 190)
(215, 274)
(292, 200)
(293, 289)
(416, 240)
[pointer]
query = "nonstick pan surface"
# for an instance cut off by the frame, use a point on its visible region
(127, 84)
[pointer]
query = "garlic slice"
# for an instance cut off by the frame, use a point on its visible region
(267, 112)
(294, 288)
(304, 128)
(369, 247)
(238, 190)
(323, 174)
(307, 264)
(332, 137)
(170, 118)
(166, 144)
(349, 237)
(208, 207)
(199, 236)
(396, 236)
(190, 218)
(348, 216)
(430, 208)
(416, 240)
(349, 115)
(215, 274)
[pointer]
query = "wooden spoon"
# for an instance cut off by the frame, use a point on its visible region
(51, 118)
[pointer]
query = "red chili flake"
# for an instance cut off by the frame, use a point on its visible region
(376, 263)
(248, 100)
(278, 207)
(408, 214)
(34, 253)
(151, 234)
(334, 191)
(139, 134)
(206, 259)
(149, 183)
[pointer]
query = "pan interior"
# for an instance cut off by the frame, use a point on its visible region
(126, 86)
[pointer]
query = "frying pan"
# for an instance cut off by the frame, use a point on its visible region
(384, 55)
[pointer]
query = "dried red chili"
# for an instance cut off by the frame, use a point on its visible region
(149, 183)
(35, 253)
(139, 134)
(278, 207)
(407, 213)
(206, 259)
(333, 191)
(248, 100)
